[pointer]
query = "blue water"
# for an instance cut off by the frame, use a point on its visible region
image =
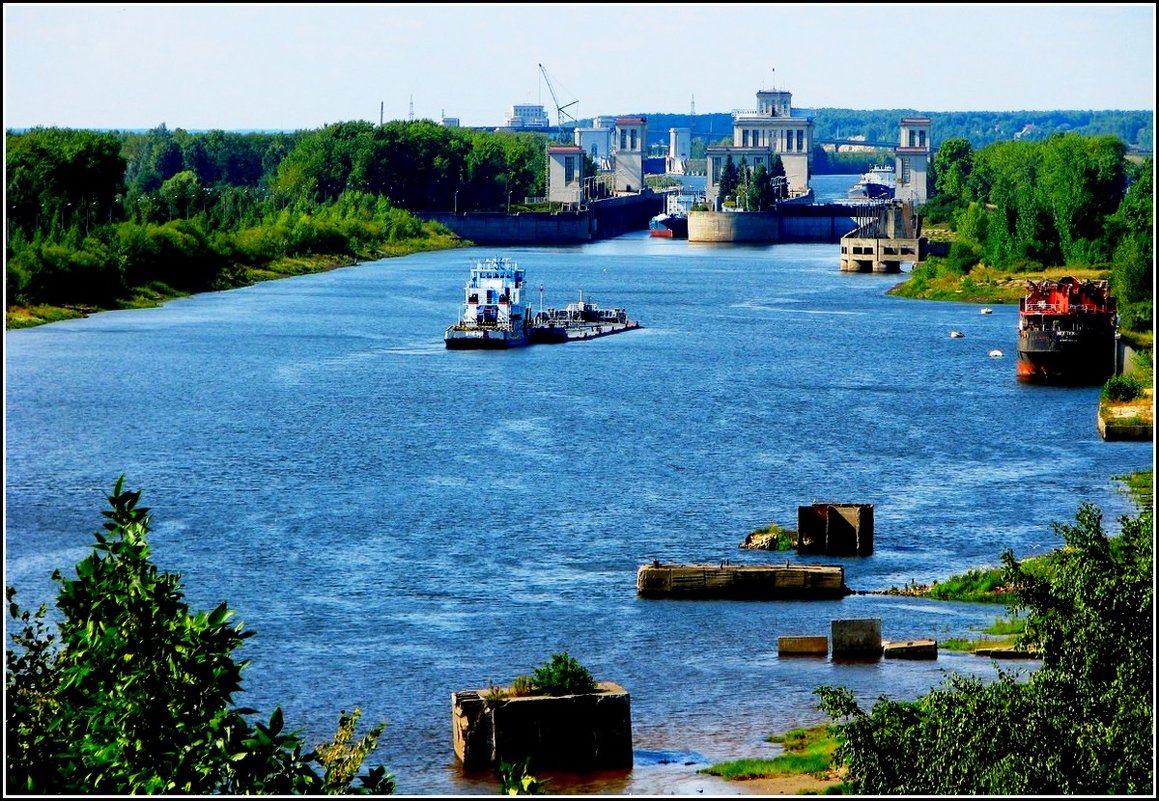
(397, 521)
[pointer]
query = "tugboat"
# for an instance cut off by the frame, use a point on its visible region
(493, 314)
(1067, 332)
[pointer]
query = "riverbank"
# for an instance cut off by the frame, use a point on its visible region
(16, 317)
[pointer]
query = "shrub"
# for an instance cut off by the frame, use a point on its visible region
(563, 675)
(1122, 388)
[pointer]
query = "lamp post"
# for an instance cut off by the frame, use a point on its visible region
(508, 202)
(456, 201)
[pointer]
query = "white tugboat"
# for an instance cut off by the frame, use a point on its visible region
(493, 314)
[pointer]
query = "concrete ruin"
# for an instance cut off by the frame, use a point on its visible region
(742, 582)
(835, 529)
(590, 731)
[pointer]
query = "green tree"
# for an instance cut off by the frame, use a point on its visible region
(1081, 724)
(952, 165)
(134, 693)
(729, 178)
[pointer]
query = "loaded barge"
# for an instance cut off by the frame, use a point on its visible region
(579, 320)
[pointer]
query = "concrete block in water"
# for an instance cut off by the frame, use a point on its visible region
(591, 731)
(803, 645)
(835, 529)
(857, 638)
(911, 649)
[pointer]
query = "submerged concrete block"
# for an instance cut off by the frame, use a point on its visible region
(803, 645)
(857, 638)
(911, 649)
(592, 731)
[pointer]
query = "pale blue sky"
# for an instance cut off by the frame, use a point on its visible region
(293, 66)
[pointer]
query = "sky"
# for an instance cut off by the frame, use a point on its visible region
(304, 66)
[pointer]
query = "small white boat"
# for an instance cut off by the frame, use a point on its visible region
(956, 335)
(995, 354)
(985, 310)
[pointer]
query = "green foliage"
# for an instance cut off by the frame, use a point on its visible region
(1081, 724)
(1126, 387)
(563, 675)
(523, 686)
(980, 585)
(807, 752)
(516, 779)
(134, 692)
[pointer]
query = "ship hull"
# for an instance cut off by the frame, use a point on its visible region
(1076, 358)
(483, 340)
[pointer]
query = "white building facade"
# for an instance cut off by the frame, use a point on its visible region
(628, 143)
(565, 174)
(912, 159)
(758, 136)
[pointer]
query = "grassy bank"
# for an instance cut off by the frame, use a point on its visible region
(157, 294)
(808, 753)
(982, 284)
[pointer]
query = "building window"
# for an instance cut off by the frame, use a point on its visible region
(569, 169)
(913, 138)
(800, 140)
(921, 138)
(715, 170)
(623, 139)
(744, 138)
(633, 147)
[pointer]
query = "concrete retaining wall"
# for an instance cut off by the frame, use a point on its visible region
(603, 219)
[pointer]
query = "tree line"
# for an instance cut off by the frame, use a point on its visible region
(98, 218)
(1067, 201)
(95, 218)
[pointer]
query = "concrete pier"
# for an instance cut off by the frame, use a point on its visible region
(742, 582)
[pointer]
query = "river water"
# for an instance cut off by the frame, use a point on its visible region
(397, 521)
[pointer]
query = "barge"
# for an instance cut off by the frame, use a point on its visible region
(579, 320)
(1067, 332)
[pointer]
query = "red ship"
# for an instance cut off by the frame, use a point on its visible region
(1067, 333)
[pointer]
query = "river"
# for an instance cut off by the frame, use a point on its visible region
(397, 521)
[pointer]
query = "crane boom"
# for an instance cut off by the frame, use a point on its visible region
(560, 111)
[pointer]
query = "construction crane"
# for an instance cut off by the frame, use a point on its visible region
(560, 111)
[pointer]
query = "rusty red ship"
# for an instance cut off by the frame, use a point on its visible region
(1067, 332)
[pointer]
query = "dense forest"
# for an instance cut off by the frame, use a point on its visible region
(112, 219)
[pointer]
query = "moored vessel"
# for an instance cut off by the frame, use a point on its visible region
(1067, 332)
(493, 314)
(880, 183)
(669, 226)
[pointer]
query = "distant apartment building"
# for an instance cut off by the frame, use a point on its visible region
(679, 151)
(527, 115)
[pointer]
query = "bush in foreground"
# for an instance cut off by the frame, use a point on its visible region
(133, 693)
